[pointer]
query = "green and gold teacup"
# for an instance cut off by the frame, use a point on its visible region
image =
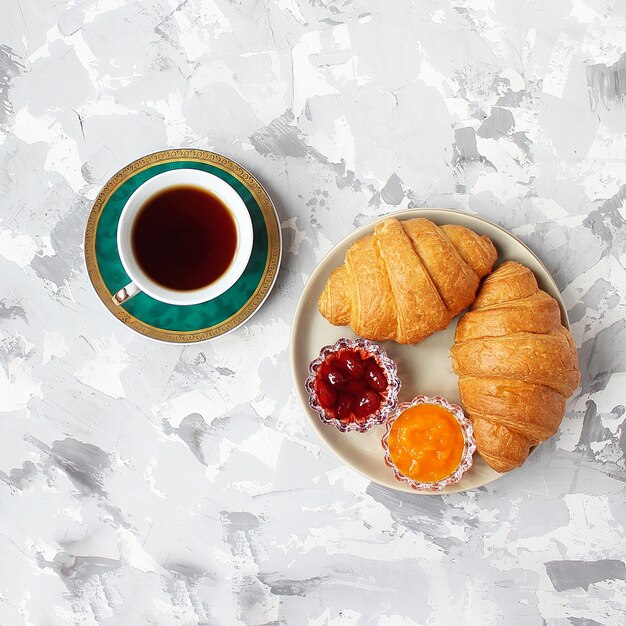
(186, 320)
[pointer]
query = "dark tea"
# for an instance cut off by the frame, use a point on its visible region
(184, 238)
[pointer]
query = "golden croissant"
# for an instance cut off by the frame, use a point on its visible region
(517, 365)
(406, 280)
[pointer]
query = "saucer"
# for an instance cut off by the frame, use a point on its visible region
(178, 323)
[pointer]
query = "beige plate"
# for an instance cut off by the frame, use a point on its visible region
(424, 368)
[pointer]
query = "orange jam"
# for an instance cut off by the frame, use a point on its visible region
(426, 443)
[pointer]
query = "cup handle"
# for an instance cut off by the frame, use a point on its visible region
(125, 293)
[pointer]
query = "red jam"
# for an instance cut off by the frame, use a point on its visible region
(350, 385)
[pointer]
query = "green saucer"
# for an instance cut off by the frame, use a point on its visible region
(167, 322)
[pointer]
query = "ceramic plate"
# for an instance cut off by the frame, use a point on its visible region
(424, 368)
(176, 323)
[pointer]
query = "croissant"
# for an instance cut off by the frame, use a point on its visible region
(406, 280)
(517, 365)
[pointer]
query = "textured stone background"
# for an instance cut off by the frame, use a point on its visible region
(150, 484)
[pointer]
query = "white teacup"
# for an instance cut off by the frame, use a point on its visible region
(140, 280)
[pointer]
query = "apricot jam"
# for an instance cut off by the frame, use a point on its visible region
(426, 443)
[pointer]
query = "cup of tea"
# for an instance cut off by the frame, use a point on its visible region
(184, 237)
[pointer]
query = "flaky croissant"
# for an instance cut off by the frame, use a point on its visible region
(517, 365)
(406, 280)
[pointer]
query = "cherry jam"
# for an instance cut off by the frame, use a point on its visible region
(350, 385)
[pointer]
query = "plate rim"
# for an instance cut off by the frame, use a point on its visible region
(298, 313)
(172, 155)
